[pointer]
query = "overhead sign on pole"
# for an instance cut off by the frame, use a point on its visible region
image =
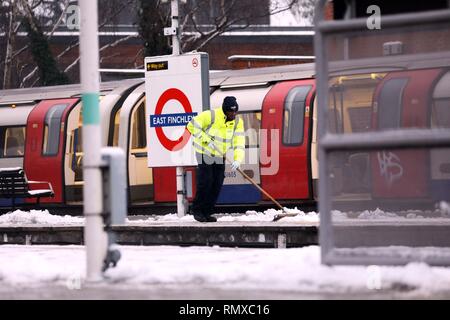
(177, 89)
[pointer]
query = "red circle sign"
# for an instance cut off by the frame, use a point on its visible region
(172, 94)
(195, 62)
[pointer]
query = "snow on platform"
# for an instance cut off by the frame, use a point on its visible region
(252, 229)
(211, 273)
(220, 270)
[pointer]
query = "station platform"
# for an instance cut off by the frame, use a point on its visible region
(227, 234)
(285, 233)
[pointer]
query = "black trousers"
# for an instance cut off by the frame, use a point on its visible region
(210, 176)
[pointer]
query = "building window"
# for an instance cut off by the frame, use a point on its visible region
(294, 115)
(52, 130)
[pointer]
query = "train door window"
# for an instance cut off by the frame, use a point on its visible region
(440, 115)
(12, 142)
(52, 129)
(252, 124)
(350, 102)
(390, 103)
(360, 118)
(293, 115)
(115, 142)
(440, 112)
(138, 134)
(337, 105)
(77, 145)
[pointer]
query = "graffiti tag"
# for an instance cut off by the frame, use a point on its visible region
(390, 166)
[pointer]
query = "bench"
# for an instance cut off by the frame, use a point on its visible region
(14, 184)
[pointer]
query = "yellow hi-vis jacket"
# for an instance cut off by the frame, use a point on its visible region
(210, 125)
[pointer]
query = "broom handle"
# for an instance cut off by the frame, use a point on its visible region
(252, 181)
(260, 189)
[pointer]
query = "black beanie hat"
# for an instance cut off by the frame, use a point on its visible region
(230, 104)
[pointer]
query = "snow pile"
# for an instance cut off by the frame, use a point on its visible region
(445, 208)
(20, 217)
(171, 217)
(293, 269)
(377, 214)
(269, 214)
(339, 215)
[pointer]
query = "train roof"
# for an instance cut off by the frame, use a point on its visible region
(261, 75)
(28, 95)
(217, 78)
(390, 63)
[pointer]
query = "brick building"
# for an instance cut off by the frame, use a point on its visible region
(258, 45)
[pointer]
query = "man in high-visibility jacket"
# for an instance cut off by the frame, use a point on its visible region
(214, 132)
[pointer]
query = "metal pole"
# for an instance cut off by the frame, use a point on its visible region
(181, 207)
(326, 239)
(175, 25)
(94, 236)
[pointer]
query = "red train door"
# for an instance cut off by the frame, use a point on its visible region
(44, 150)
(285, 153)
(402, 100)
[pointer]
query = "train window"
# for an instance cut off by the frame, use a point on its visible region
(360, 118)
(440, 112)
(336, 103)
(252, 124)
(52, 129)
(138, 139)
(390, 103)
(440, 115)
(115, 142)
(294, 113)
(12, 142)
(350, 102)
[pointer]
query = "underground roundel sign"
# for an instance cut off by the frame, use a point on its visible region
(176, 91)
(160, 120)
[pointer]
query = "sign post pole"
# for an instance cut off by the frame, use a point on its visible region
(181, 208)
(177, 89)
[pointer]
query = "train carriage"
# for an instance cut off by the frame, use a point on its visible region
(277, 105)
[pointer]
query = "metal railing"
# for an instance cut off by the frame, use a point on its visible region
(392, 139)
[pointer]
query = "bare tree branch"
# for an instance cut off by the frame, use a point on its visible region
(109, 45)
(28, 14)
(61, 16)
(10, 43)
(35, 81)
(109, 56)
(138, 55)
(227, 20)
(74, 43)
(104, 22)
(28, 76)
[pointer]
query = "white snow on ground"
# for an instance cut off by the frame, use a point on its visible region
(295, 269)
(20, 217)
(43, 217)
(37, 217)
